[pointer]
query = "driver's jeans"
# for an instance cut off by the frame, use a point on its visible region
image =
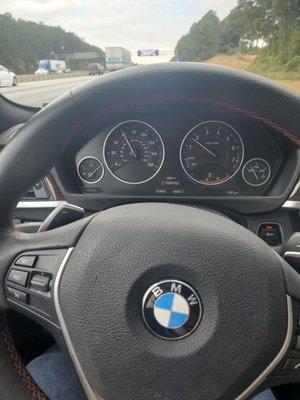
(56, 376)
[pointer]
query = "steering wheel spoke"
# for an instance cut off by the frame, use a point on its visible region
(287, 369)
(30, 264)
(30, 283)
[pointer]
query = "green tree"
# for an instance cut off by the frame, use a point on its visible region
(202, 41)
(274, 23)
(279, 24)
(24, 43)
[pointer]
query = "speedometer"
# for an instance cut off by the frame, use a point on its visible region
(133, 152)
(211, 153)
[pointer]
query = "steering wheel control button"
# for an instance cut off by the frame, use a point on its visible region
(26, 261)
(17, 295)
(271, 233)
(40, 282)
(171, 309)
(18, 277)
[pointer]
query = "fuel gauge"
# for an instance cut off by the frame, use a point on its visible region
(256, 172)
(90, 169)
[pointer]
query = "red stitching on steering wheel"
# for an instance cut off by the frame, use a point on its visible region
(131, 104)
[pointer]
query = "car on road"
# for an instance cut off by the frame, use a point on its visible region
(7, 77)
(46, 67)
(95, 69)
(41, 71)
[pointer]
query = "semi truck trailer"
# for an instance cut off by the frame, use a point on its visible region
(117, 58)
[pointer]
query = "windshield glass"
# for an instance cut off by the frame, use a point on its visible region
(50, 46)
(44, 64)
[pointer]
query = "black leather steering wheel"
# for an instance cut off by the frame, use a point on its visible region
(103, 265)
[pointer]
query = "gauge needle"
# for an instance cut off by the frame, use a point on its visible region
(255, 174)
(205, 148)
(129, 145)
(92, 173)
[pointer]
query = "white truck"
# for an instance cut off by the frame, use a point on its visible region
(117, 58)
(46, 67)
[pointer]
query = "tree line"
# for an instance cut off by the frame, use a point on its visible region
(24, 43)
(270, 27)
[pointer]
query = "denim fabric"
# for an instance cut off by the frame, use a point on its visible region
(266, 395)
(56, 376)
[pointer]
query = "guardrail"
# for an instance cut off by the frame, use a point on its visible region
(30, 78)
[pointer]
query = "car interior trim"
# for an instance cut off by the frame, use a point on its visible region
(295, 254)
(50, 187)
(29, 310)
(296, 188)
(85, 384)
(293, 204)
(41, 204)
(64, 206)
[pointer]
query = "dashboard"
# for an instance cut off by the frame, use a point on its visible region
(179, 155)
(199, 155)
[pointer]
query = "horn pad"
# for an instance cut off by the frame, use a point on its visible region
(237, 279)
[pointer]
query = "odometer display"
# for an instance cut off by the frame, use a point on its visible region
(134, 152)
(211, 153)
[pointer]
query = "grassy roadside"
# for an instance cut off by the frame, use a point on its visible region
(291, 85)
(240, 61)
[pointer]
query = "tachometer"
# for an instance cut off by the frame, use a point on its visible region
(134, 152)
(211, 153)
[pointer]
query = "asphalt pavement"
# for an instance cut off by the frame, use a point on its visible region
(39, 92)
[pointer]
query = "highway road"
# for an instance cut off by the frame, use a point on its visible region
(39, 92)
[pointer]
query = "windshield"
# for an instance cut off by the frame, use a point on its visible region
(49, 46)
(44, 64)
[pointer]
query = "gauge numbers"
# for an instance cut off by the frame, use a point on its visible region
(90, 169)
(133, 152)
(211, 153)
(256, 172)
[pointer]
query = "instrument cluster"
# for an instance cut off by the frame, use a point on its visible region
(175, 157)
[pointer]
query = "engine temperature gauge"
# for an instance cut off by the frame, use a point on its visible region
(256, 172)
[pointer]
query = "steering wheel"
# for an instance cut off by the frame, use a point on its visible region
(108, 269)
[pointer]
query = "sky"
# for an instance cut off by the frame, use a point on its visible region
(132, 24)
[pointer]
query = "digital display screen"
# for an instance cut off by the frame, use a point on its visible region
(148, 53)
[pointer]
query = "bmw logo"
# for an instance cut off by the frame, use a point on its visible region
(171, 309)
